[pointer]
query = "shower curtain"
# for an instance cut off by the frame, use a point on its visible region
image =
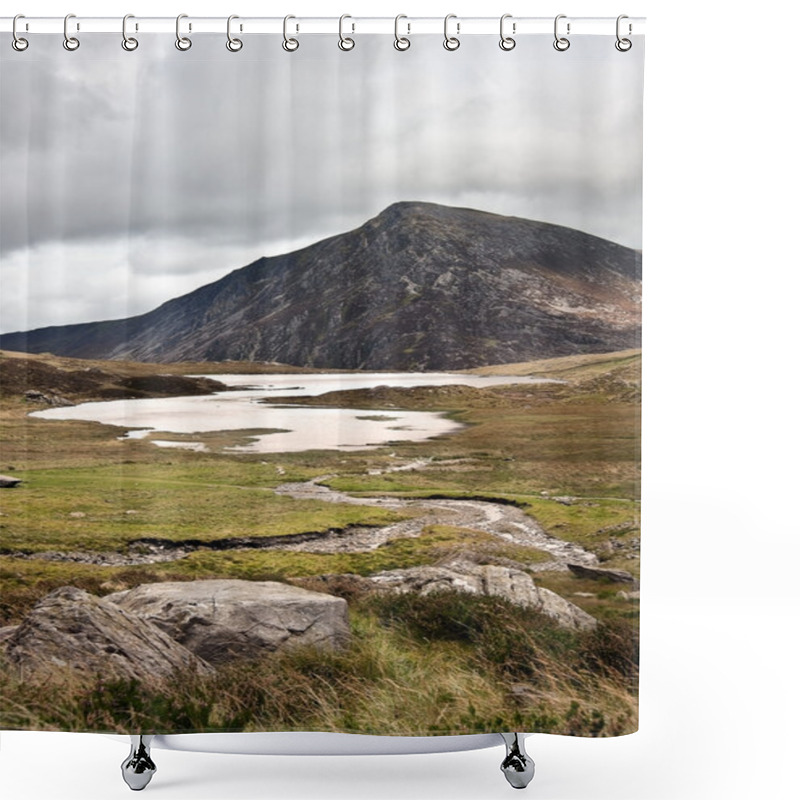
(320, 382)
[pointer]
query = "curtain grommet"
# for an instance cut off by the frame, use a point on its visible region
(289, 43)
(18, 42)
(561, 43)
(507, 43)
(129, 43)
(401, 43)
(346, 43)
(623, 44)
(183, 43)
(233, 44)
(451, 43)
(71, 43)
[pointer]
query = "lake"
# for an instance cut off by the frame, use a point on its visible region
(282, 428)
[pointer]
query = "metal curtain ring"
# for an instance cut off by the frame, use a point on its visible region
(18, 43)
(70, 42)
(507, 42)
(234, 45)
(561, 43)
(401, 42)
(289, 45)
(346, 42)
(623, 45)
(128, 42)
(451, 42)
(181, 42)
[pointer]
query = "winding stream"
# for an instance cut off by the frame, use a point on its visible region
(504, 521)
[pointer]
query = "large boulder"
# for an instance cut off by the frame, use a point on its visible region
(488, 579)
(220, 620)
(71, 628)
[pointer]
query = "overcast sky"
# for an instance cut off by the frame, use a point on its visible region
(131, 178)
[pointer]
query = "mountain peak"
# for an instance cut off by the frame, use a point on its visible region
(405, 211)
(419, 286)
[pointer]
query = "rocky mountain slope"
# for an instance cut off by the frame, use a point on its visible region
(420, 286)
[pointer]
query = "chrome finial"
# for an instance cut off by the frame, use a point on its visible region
(517, 766)
(138, 768)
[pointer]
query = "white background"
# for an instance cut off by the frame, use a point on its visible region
(720, 607)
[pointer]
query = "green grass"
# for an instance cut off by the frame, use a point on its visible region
(104, 508)
(436, 543)
(216, 441)
(585, 521)
(581, 450)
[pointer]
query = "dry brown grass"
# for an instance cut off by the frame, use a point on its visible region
(445, 664)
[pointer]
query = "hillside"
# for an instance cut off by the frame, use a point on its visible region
(420, 286)
(49, 380)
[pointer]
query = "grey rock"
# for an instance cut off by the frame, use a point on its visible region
(50, 398)
(567, 614)
(220, 620)
(487, 579)
(597, 573)
(71, 628)
(9, 482)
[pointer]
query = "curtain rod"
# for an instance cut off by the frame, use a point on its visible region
(461, 26)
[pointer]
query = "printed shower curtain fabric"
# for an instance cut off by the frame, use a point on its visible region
(320, 386)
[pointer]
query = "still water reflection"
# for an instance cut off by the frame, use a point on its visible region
(292, 428)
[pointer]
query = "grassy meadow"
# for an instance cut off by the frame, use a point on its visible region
(566, 453)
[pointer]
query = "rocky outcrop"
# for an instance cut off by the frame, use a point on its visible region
(420, 286)
(49, 398)
(220, 620)
(488, 579)
(598, 573)
(71, 628)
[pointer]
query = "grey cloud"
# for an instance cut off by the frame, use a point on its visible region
(233, 151)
